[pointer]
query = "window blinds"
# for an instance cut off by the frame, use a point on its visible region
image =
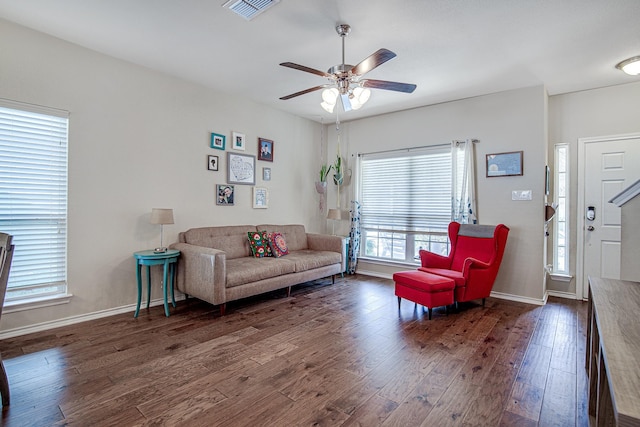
(33, 194)
(407, 190)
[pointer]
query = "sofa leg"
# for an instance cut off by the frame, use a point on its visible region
(483, 302)
(223, 308)
(399, 299)
(333, 279)
(430, 310)
(288, 291)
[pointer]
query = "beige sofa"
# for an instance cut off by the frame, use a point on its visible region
(216, 264)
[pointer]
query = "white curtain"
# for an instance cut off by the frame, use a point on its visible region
(463, 209)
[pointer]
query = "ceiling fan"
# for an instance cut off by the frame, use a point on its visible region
(346, 80)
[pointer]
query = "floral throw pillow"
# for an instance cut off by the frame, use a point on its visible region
(258, 246)
(265, 241)
(278, 244)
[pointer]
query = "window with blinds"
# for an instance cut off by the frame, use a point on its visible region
(33, 198)
(405, 201)
(560, 241)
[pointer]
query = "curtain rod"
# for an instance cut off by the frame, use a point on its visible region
(458, 142)
(399, 150)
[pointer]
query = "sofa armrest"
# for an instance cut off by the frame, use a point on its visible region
(201, 272)
(325, 242)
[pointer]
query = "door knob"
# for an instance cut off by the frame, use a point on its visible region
(590, 228)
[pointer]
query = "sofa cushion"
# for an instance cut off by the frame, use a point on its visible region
(278, 244)
(246, 270)
(294, 234)
(231, 239)
(307, 259)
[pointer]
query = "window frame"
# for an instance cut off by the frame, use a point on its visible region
(436, 238)
(561, 218)
(53, 287)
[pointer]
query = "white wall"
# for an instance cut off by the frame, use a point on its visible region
(606, 111)
(506, 121)
(140, 139)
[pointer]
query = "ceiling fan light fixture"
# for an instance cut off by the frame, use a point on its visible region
(630, 66)
(358, 97)
(362, 94)
(330, 95)
(345, 80)
(328, 107)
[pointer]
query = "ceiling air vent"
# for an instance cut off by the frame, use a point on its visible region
(249, 9)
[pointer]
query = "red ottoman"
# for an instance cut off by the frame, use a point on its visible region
(426, 289)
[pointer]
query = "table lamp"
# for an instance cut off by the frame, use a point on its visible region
(162, 217)
(335, 215)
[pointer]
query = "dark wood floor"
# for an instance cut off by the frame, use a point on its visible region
(330, 355)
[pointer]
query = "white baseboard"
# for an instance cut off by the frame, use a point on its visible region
(518, 298)
(44, 326)
(375, 274)
(561, 294)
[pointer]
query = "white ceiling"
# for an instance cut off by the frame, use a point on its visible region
(451, 49)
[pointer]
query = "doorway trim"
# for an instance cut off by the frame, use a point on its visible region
(582, 289)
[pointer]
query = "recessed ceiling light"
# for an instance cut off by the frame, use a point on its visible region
(630, 66)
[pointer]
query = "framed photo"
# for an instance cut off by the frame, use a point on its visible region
(241, 169)
(265, 149)
(260, 198)
(212, 163)
(238, 141)
(225, 194)
(217, 141)
(504, 164)
(266, 174)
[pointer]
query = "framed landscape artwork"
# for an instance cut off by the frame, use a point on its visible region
(504, 164)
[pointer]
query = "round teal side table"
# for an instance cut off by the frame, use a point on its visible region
(167, 259)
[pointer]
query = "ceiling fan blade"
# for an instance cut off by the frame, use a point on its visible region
(307, 69)
(346, 103)
(375, 59)
(302, 92)
(383, 84)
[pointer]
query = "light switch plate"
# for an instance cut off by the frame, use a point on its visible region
(521, 195)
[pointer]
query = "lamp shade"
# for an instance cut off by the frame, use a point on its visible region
(161, 216)
(334, 214)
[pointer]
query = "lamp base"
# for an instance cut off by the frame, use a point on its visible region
(160, 250)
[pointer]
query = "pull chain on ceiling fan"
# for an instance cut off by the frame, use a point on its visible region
(346, 80)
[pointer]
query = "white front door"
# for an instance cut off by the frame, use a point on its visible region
(609, 166)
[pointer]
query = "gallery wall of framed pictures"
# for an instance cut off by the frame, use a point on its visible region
(241, 168)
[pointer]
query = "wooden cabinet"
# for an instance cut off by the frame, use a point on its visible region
(613, 352)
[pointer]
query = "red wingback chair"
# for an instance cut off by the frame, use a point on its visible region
(474, 259)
